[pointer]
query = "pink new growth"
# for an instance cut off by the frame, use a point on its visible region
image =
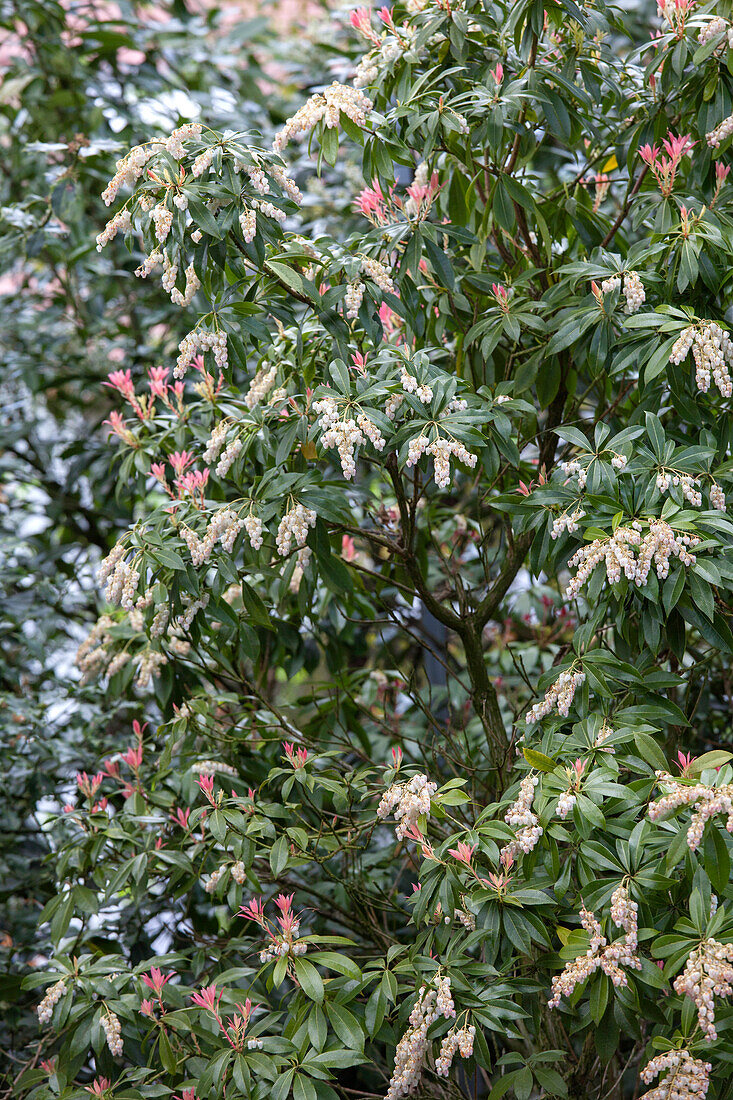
(255, 911)
(412, 832)
(181, 817)
(463, 852)
(117, 425)
(193, 482)
(501, 295)
(134, 757)
(121, 380)
(156, 979)
(208, 999)
(684, 760)
(359, 362)
(370, 203)
(497, 73)
(179, 460)
(98, 1086)
(676, 12)
(87, 786)
(158, 377)
(665, 168)
(361, 20)
(206, 783)
(296, 759)
(157, 469)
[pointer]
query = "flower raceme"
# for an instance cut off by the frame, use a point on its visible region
(708, 974)
(611, 958)
(408, 801)
(687, 1078)
(709, 802)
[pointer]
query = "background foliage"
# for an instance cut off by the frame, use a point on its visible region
(517, 247)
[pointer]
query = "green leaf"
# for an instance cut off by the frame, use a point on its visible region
(655, 431)
(279, 855)
(165, 1053)
(203, 218)
(291, 279)
(255, 607)
(439, 263)
(538, 760)
(346, 1026)
(713, 759)
(309, 979)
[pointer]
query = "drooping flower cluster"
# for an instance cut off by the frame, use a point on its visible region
(215, 442)
(378, 273)
(410, 384)
(253, 527)
(441, 450)
(569, 797)
(712, 350)
(568, 521)
(345, 434)
(294, 528)
(170, 274)
(721, 133)
(223, 526)
(120, 223)
(112, 1030)
(560, 695)
(49, 1002)
(710, 802)
(92, 654)
(633, 289)
(456, 1040)
(121, 578)
(573, 467)
(409, 801)
(200, 341)
(708, 974)
(688, 1078)
(686, 482)
(129, 170)
(260, 385)
(600, 954)
(335, 100)
(237, 871)
(525, 823)
(715, 26)
(209, 767)
(617, 551)
(353, 299)
(225, 463)
(717, 497)
(413, 1046)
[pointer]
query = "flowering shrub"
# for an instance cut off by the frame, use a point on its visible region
(427, 589)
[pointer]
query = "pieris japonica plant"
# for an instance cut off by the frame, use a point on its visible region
(427, 597)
